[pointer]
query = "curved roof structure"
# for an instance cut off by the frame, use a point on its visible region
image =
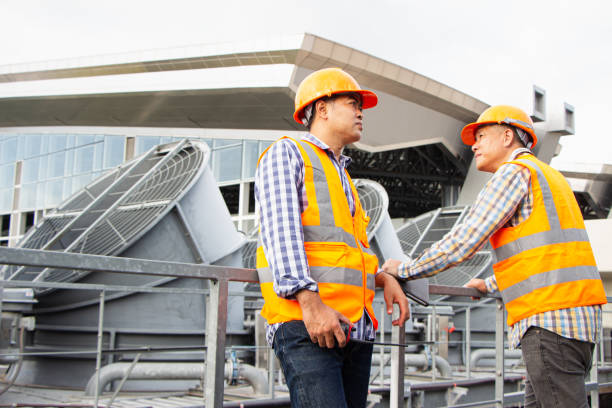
(245, 85)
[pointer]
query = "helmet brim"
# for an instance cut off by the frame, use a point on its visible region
(368, 100)
(467, 133)
(468, 137)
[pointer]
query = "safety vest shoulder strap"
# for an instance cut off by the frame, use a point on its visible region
(555, 234)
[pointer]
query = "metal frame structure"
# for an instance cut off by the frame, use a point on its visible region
(415, 178)
(219, 277)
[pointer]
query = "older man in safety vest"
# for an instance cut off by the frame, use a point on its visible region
(315, 266)
(545, 269)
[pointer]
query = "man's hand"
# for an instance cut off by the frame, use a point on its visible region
(394, 294)
(321, 321)
(390, 266)
(478, 284)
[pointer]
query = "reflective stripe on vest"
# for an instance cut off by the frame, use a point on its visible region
(339, 261)
(345, 276)
(534, 268)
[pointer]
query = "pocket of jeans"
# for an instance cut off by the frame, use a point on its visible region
(576, 359)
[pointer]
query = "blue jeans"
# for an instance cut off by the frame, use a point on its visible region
(557, 368)
(322, 377)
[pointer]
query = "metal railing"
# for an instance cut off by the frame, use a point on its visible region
(216, 313)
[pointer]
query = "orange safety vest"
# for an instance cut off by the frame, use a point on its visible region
(546, 262)
(336, 245)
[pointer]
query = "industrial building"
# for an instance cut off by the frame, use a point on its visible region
(120, 154)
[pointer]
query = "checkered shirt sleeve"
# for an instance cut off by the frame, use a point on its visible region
(279, 203)
(494, 207)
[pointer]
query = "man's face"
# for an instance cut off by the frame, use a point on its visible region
(346, 118)
(489, 150)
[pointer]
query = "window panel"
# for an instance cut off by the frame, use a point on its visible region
(6, 200)
(227, 163)
(32, 145)
(251, 154)
(84, 139)
(30, 170)
(263, 145)
(40, 195)
(98, 155)
(42, 167)
(27, 197)
(225, 142)
(69, 167)
(54, 193)
(144, 143)
(57, 162)
(70, 141)
(83, 161)
(8, 150)
(67, 188)
(114, 150)
(44, 144)
(7, 175)
(57, 143)
(21, 147)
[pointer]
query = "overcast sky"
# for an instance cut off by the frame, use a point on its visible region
(494, 51)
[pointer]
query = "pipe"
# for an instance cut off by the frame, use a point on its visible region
(255, 377)
(14, 372)
(421, 360)
(175, 371)
(480, 354)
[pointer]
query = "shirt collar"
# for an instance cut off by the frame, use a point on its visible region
(344, 160)
(517, 152)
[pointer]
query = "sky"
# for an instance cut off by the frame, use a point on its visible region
(493, 51)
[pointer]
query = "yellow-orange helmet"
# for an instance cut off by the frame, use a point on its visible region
(501, 115)
(327, 82)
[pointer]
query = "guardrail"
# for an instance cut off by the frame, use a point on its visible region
(216, 311)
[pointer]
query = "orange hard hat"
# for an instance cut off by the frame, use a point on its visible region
(501, 115)
(327, 82)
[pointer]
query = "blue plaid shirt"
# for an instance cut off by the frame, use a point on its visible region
(506, 199)
(280, 199)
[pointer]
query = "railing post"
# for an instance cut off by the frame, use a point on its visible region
(434, 339)
(398, 335)
(99, 346)
(595, 375)
(499, 353)
(381, 375)
(271, 369)
(468, 341)
(216, 323)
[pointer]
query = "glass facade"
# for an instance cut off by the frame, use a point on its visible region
(53, 166)
(38, 171)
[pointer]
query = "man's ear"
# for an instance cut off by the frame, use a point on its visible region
(321, 108)
(508, 137)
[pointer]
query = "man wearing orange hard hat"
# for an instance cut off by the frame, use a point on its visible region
(316, 270)
(545, 269)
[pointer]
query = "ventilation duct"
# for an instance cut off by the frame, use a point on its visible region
(383, 238)
(164, 205)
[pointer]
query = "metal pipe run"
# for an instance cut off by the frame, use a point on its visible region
(480, 354)
(422, 361)
(176, 371)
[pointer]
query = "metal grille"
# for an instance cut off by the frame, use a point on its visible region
(41, 235)
(112, 211)
(249, 254)
(459, 275)
(410, 232)
(374, 201)
(420, 232)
